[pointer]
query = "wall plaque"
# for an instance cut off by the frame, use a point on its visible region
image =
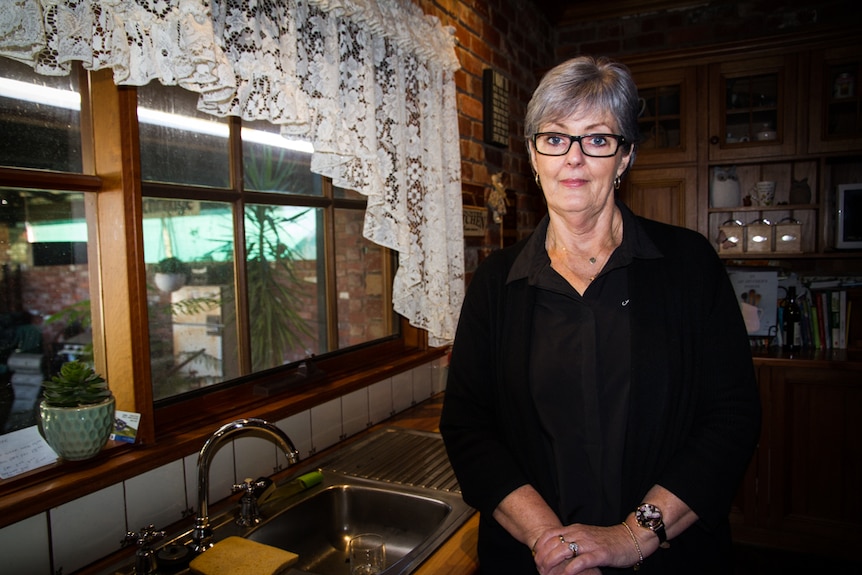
(496, 108)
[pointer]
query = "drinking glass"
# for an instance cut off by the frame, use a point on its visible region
(367, 554)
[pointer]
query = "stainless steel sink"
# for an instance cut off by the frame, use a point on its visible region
(319, 527)
(396, 483)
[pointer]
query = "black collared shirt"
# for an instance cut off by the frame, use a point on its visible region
(579, 373)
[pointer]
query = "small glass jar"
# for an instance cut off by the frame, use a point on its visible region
(844, 86)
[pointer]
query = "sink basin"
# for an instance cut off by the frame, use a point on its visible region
(397, 483)
(319, 527)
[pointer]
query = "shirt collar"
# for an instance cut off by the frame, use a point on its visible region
(534, 257)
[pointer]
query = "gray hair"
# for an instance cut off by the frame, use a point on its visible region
(586, 84)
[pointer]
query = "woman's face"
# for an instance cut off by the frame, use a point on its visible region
(576, 182)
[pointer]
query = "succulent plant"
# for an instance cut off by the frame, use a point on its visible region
(76, 385)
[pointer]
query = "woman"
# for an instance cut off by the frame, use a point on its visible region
(601, 399)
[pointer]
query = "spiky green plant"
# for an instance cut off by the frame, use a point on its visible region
(76, 385)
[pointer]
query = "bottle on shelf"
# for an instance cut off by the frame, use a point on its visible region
(791, 318)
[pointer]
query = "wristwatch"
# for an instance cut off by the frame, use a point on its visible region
(649, 517)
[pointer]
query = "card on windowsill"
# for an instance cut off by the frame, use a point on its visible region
(125, 426)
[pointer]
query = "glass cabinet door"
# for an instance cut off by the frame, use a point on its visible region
(665, 123)
(751, 108)
(836, 110)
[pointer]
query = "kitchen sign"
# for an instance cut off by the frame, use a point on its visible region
(475, 221)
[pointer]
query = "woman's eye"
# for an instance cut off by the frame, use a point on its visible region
(598, 141)
(554, 141)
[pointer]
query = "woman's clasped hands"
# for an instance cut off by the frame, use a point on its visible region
(583, 549)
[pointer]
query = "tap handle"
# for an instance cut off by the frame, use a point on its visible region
(143, 537)
(249, 485)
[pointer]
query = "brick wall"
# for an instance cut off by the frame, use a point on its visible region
(512, 37)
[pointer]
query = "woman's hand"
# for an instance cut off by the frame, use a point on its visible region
(596, 547)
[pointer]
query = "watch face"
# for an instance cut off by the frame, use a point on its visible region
(649, 516)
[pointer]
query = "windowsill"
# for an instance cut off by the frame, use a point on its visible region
(37, 491)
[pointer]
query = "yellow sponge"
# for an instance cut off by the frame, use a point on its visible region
(238, 556)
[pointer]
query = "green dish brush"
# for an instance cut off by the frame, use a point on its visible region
(301, 483)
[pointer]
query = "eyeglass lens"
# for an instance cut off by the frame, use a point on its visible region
(557, 144)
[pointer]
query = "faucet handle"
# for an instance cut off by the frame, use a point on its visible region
(143, 537)
(145, 557)
(249, 485)
(249, 512)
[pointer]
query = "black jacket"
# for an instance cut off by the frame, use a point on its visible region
(693, 420)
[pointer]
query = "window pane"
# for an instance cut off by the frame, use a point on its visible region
(285, 302)
(179, 144)
(272, 163)
(189, 252)
(40, 119)
(44, 297)
(364, 312)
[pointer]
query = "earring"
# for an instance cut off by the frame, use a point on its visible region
(538, 183)
(617, 182)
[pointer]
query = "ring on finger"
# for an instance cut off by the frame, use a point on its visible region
(573, 547)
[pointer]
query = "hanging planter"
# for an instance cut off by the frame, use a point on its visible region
(76, 416)
(171, 275)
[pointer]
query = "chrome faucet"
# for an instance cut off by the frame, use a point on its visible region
(202, 534)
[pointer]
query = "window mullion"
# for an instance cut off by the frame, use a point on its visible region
(243, 325)
(330, 283)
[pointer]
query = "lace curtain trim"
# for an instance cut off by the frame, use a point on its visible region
(368, 82)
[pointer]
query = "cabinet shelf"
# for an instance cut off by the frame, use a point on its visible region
(775, 208)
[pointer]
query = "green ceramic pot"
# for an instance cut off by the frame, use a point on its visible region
(76, 433)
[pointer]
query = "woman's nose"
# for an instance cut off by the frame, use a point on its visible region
(575, 155)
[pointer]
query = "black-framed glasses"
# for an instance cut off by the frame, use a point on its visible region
(595, 145)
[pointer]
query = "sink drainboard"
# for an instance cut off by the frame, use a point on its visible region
(399, 456)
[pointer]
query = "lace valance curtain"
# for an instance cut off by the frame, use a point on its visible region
(368, 82)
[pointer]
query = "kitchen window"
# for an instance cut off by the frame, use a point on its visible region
(311, 284)
(309, 287)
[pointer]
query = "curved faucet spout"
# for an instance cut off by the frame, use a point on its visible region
(202, 534)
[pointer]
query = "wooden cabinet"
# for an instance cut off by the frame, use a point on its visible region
(664, 194)
(787, 111)
(801, 490)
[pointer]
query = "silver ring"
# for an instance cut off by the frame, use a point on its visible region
(573, 547)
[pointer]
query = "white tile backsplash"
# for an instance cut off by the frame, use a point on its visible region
(380, 401)
(326, 424)
(87, 529)
(354, 412)
(24, 546)
(402, 391)
(421, 383)
(157, 497)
